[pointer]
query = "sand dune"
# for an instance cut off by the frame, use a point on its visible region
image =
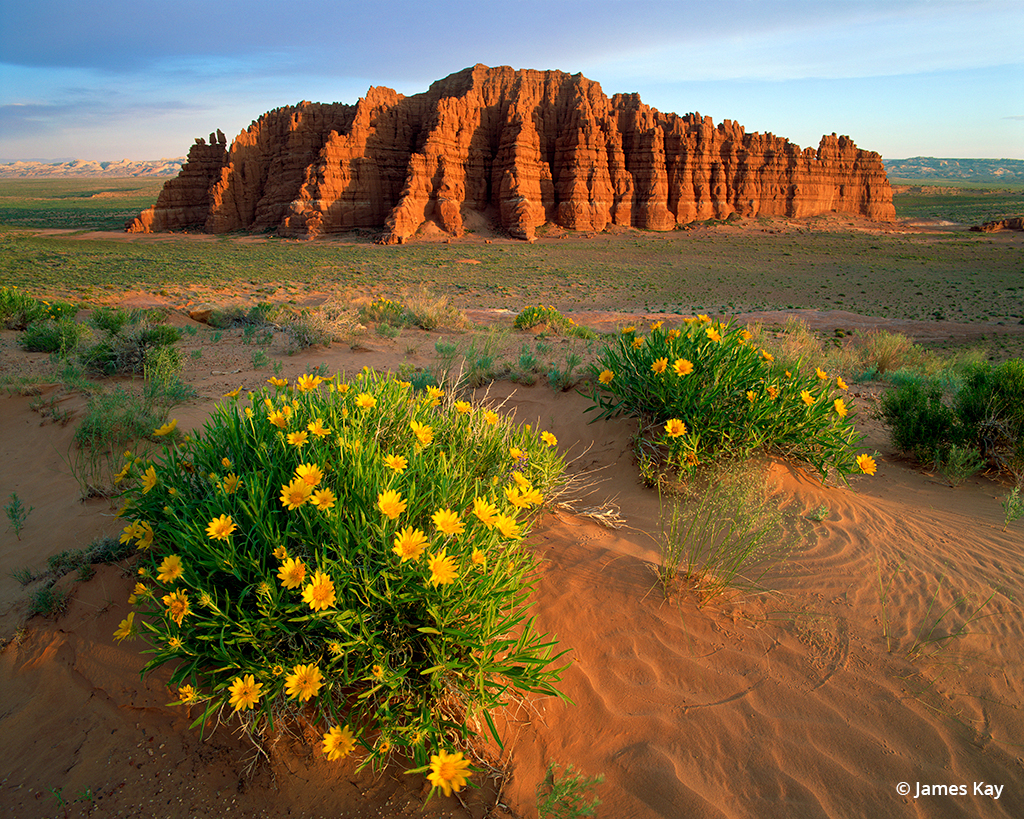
(787, 703)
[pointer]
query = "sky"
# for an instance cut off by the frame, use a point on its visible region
(139, 80)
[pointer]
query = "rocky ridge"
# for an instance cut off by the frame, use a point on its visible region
(523, 148)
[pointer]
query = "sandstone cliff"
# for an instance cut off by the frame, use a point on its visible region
(524, 148)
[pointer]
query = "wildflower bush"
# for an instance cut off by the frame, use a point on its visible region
(552, 319)
(711, 395)
(18, 310)
(348, 554)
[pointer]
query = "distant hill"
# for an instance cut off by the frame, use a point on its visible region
(84, 168)
(961, 170)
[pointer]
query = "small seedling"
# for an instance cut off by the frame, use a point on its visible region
(23, 576)
(17, 513)
(567, 796)
(819, 514)
(1013, 507)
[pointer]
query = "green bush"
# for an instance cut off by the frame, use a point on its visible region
(384, 311)
(985, 414)
(715, 396)
(131, 340)
(919, 421)
(52, 336)
(350, 553)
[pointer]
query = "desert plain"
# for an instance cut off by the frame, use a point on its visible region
(877, 673)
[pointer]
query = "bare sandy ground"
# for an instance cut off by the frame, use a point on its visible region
(787, 704)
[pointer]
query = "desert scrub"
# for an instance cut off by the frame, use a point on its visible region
(349, 554)
(126, 341)
(705, 394)
(551, 320)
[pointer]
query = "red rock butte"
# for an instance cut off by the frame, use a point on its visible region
(522, 148)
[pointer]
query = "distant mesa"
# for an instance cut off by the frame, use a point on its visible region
(519, 148)
(87, 169)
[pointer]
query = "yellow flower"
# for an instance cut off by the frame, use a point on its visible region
(514, 496)
(628, 330)
(166, 429)
(305, 383)
(442, 569)
(338, 743)
(448, 772)
(278, 382)
(866, 464)
(773, 391)
(177, 605)
(491, 417)
(705, 319)
(638, 342)
(174, 643)
(549, 439)
(292, 573)
(682, 367)
(806, 397)
(319, 593)
(767, 356)
(248, 412)
(390, 503)
(745, 336)
(318, 429)
(277, 419)
(148, 479)
(521, 480)
(532, 497)
(691, 458)
(170, 570)
(675, 428)
(220, 528)
(713, 334)
(225, 462)
(448, 522)
(365, 401)
(822, 375)
(506, 525)
(296, 493)
(673, 334)
(479, 558)
(335, 648)
(423, 432)
(310, 473)
(841, 384)
(659, 365)
(396, 463)
(281, 553)
(297, 439)
(606, 377)
(751, 396)
(410, 544)
(126, 628)
(656, 325)
(234, 393)
(245, 692)
(840, 407)
(342, 389)
(231, 483)
(485, 511)
(323, 499)
(434, 395)
(377, 672)
(304, 682)
(187, 694)
(463, 407)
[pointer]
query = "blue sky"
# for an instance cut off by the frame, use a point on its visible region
(134, 79)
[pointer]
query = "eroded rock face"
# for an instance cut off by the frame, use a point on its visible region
(524, 148)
